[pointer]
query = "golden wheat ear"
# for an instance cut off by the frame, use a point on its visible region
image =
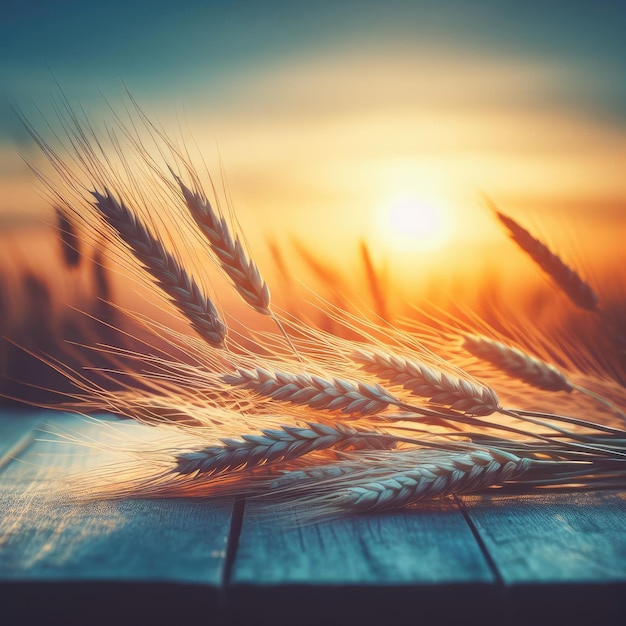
(181, 289)
(567, 279)
(228, 249)
(336, 395)
(276, 446)
(431, 475)
(527, 368)
(441, 388)
(231, 256)
(517, 364)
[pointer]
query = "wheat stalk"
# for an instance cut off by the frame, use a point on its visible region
(70, 244)
(273, 445)
(229, 250)
(4, 306)
(576, 289)
(100, 278)
(182, 290)
(374, 282)
(351, 398)
(421, 380)
(517, 364)
(453, 473)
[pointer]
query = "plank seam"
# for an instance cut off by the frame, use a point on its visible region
(232, 544)
(481, 544)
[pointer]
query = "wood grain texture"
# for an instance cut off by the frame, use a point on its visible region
(561, 556)
(367, 569)
(548, 558)
(123, 559)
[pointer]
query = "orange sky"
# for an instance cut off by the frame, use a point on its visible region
(321, 146)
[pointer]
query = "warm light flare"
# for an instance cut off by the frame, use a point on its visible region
(412, 224)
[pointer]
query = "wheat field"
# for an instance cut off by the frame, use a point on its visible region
(333, 406)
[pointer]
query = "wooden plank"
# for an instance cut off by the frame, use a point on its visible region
(561, 556)
(380, 569)
(15, 433)
(123, 561)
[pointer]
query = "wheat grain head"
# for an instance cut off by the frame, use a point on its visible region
(517, 364)
(179, 286)
(570, 282)
(334, 394)
(273, 445)
(459, 394)
(229, 250)
(453, 473)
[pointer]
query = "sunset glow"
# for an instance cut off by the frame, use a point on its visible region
(368, 135)
(414, 225)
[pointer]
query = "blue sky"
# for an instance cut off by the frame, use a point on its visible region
(162, 48)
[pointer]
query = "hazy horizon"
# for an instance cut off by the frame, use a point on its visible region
(339, 113)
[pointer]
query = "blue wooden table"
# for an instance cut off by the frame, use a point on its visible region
(490, 559)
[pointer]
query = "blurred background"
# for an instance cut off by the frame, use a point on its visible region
(354, 139)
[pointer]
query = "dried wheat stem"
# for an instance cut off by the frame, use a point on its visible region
(100, 277)
(455, 473)
(183, 291)
(576, 289)
(273, 445)
(596, 396)
(584, 443)
(530, 415)
(421, 380)
(517, 364)
(318, 393)
(229, 250)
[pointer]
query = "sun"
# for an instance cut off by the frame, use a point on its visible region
(411, 224)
